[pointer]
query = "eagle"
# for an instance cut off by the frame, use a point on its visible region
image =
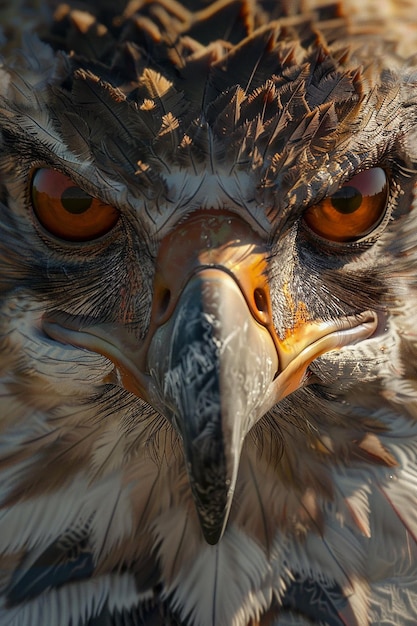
(208, 300)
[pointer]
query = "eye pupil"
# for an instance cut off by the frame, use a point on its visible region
(347, 200)
(75, 200)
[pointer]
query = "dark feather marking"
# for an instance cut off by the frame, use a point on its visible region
(66, 560)
(317, 601)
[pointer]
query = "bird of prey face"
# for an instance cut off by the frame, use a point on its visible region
(208, 291)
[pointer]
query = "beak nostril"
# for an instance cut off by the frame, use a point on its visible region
(164, 302)
(260, 299)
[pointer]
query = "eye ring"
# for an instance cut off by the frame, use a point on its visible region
(354, 210)
(67, 211)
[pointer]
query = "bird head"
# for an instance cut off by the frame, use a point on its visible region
(210, 219)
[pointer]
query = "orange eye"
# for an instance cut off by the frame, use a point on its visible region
(67, 211)
(354, 210)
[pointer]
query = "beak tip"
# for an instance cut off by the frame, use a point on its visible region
(213, 506)
(212, 530)
(212, 536)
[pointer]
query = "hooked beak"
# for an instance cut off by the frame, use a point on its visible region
(211, 361)
(213, 364)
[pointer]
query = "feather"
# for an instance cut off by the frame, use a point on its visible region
(211, 576)
(62, 562)
(76, 602)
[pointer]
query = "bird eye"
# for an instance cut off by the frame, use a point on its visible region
(354, 210)
(66, 210)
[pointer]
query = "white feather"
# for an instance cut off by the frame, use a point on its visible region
(220, 584)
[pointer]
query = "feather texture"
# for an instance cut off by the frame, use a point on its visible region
(187, 116)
